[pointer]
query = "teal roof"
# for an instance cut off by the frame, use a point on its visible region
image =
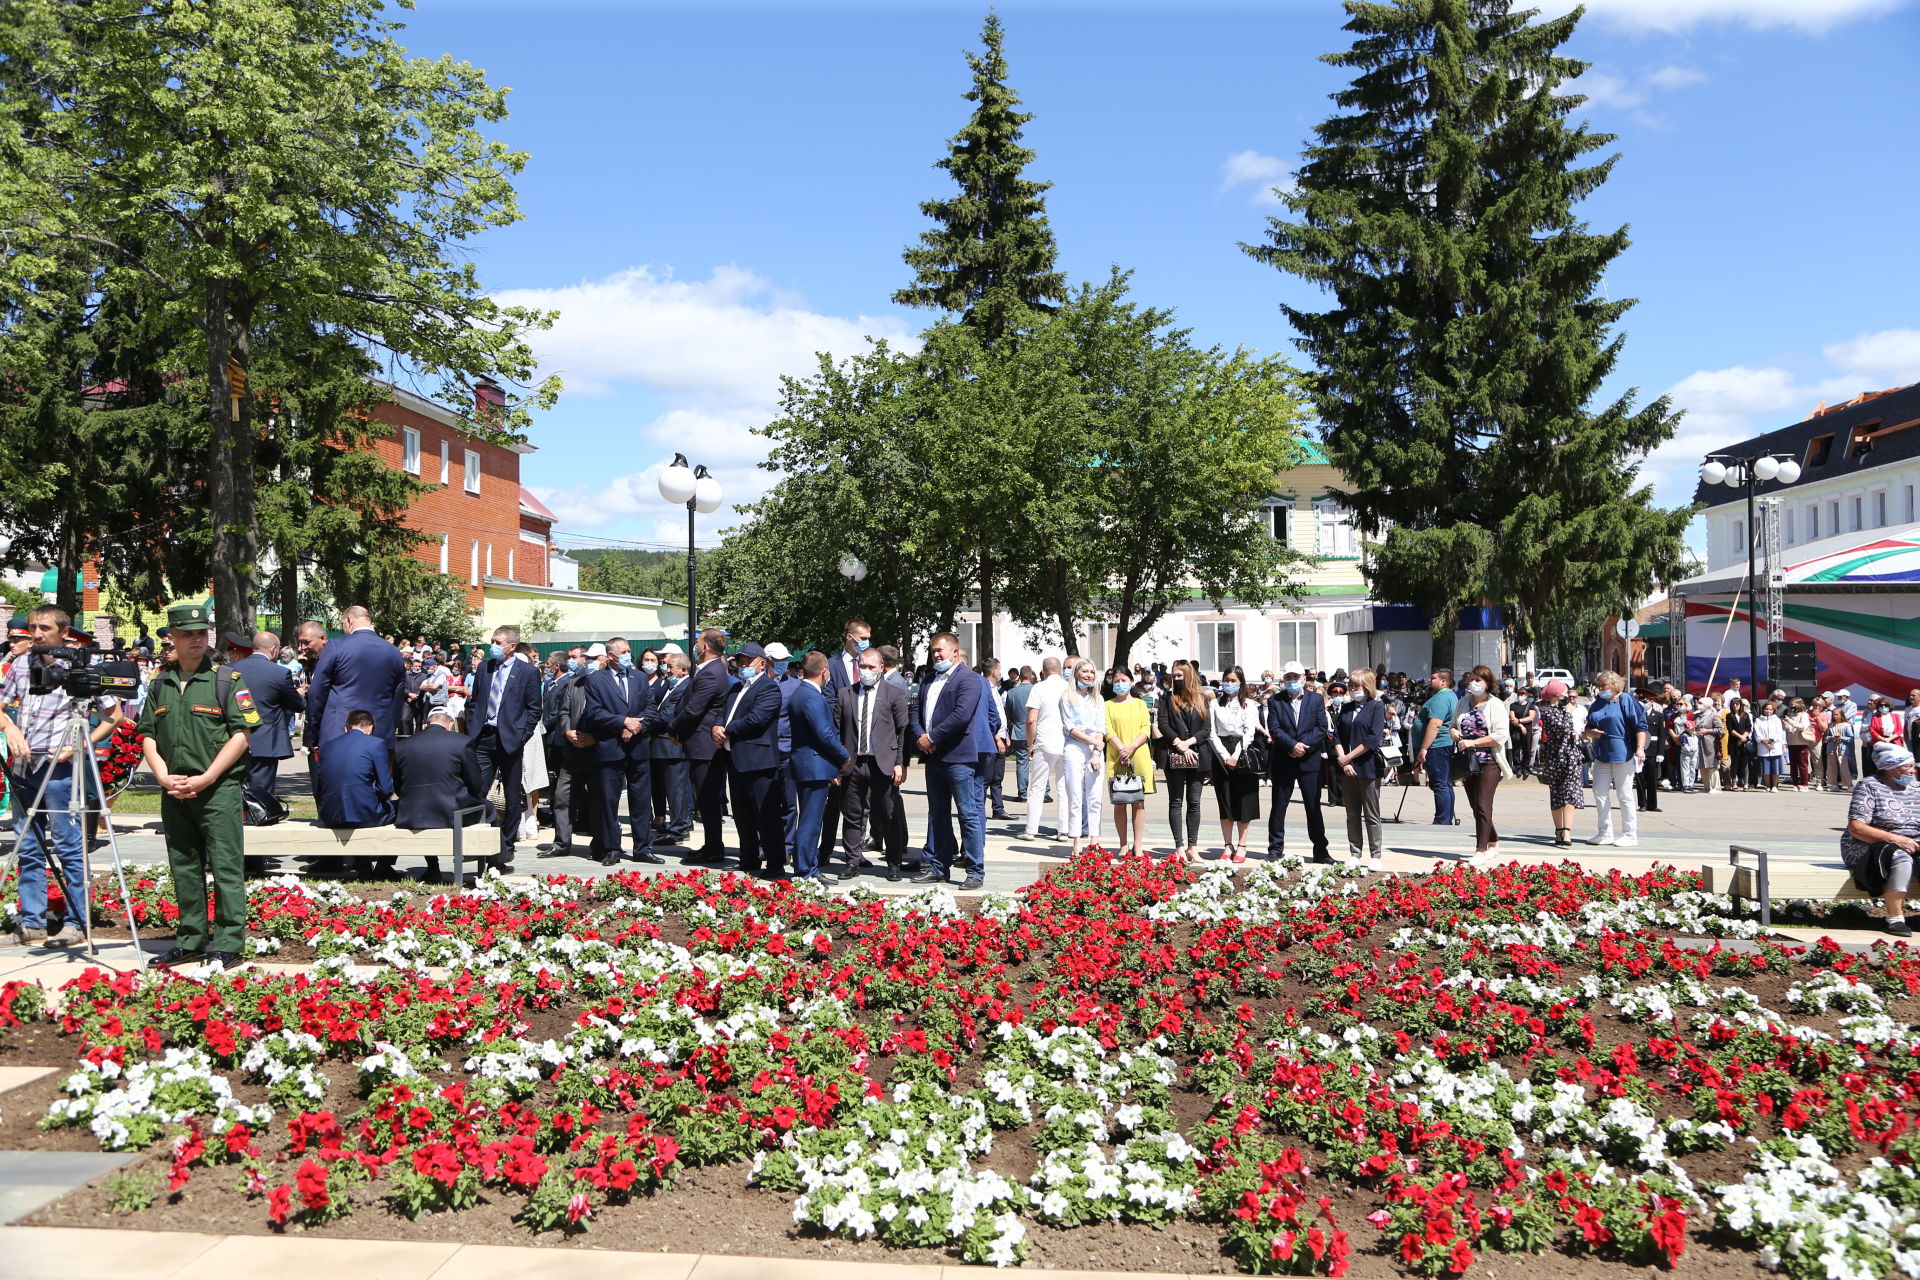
(1311, 452)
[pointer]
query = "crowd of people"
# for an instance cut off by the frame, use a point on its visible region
(807, 756)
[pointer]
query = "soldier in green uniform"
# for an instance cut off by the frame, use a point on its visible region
(196, 721)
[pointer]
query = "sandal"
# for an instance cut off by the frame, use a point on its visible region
(1563, 837)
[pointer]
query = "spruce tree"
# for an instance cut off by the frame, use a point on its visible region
(1469, 333)
(991, 255)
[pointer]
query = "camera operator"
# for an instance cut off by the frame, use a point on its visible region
(37, 751)
(197, 720)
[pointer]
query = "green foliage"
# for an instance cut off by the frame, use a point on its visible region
(619, 571)
(131, 1192)
(277, 176)
(406, 598)
(1468, 334)
(990, 259)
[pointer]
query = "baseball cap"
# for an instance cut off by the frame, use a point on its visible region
(778, 652)
(672, 648)
(1293, 669)
(596, 651)
(751, 649)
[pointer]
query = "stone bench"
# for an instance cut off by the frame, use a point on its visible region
(294, 839)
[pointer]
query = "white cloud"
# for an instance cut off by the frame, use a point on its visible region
(714, 350)
(1271, 175)
(1724, 406)
(1669, 16)
(1607, 89)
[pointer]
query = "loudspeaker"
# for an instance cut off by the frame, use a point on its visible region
(1791, 662)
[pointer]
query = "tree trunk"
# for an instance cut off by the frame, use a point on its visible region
(1063, 609)
(1126, 637)
(68, 589)
(236, 531)
(1444, 632)
(985, 630)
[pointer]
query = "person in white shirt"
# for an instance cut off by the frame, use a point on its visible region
(1046, 743)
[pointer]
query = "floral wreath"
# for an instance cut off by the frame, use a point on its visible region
(119, 755)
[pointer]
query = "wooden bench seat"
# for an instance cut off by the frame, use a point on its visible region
(294, 839)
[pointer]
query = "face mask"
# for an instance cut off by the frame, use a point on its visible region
(573, 664)
(1361, 695)
(1605, 695)
(626, 662)
(1294, 686)
(1338, 699)
(943, 665)
(860, 646)
(650, 667)
(496, 652)
(1122, 686)
(1476, 687)
(749, 674)
(1086, 684)
(673, 681)
(1230, 689)
(869, 677)
(1900, 781)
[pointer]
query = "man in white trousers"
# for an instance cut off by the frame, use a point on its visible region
(1046, 742)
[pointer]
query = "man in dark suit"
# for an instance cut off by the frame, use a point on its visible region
(354, 787)
(278, 700)
(943, 725)
(693, 724)
(873, 728)
(502, 717)
(1297, 722)
(817, 763)
(843, 671)
(748, 732)
(434, 777)
(619, 711)
(356, 672)
(669, 757)
(414, 714)
(562, 708)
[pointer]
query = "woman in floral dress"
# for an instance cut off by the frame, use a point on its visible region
(1559, 760)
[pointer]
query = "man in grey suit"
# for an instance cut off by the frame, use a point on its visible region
(873, 728)
(278, 700)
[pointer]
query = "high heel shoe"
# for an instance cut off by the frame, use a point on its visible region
(1563, 837)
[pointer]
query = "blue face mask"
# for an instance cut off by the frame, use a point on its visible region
(1605, 695)
(1294, 686)
(573, 664)
(943, 665)
(1122, 686)
(626, 662)
(673, 681)
(649, 667)
(496, 652)
(1900, 781)
(1230, 689)
(860, 646)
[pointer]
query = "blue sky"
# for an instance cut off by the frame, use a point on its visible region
(719, 190)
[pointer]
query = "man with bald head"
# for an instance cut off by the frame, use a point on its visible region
(356, 672)
(278, 700)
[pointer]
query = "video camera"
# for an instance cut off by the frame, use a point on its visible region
(87, 676)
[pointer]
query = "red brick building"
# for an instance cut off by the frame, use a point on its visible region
(479, 520)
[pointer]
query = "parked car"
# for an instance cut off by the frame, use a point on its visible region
(1545, 674)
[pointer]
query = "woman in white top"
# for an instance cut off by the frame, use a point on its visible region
(1083, 721)
(1483, 727)
(1236, 719)
(1770, 732)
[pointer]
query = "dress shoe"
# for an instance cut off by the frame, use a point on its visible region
(893, 871)
(609, 859)
(555, 850)
(175, 956)
(649, 856)
(971, 883)
(222, 959)
(850, 872)
(704, 855)
(503, 865)
(1001, 815)
(931, 877)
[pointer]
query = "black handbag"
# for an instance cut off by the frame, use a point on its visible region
(1255, 756)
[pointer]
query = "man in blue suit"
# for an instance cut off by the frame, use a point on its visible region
(503, 715)
(694, 721)
(818, 761)
(618, 714)
(944, 724)
(278, 700)
(356, 672)
(353, 785)
(1297, 722)
(748, 733)
(669, 757)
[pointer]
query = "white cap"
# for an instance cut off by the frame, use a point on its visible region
(1293, 669)
(596, 651)
(672, 648)
(777, 651)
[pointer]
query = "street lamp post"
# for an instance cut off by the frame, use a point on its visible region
(697, 488)
(855, 573)
(1749, 473)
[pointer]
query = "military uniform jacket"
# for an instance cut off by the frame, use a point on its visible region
(190, 717)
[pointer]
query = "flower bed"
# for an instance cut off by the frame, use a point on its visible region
(1318, 1070)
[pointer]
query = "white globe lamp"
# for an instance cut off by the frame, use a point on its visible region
(1713, 473)
(1766, 468)
(706, 493)
(676, 482)
(1789, 471)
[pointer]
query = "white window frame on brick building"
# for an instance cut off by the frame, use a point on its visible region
(443, 553)
(445, 452)
(473, 565)
(473, 471)
(410, 450)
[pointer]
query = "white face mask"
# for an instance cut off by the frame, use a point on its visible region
(1476, 687)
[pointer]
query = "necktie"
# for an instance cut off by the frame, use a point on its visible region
(866, 722)
(498, 689)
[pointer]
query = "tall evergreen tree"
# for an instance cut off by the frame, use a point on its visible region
(1468, 334)
(989, 260)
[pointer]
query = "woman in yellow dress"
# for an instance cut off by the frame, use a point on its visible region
(1129, 760)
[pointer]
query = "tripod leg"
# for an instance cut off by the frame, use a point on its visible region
(119, 868)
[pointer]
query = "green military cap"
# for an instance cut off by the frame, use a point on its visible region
(189, 617)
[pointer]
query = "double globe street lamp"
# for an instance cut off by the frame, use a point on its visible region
(696, 487)
(1750, 472)
(855, 573)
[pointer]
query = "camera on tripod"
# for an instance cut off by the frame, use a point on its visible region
(86, 676)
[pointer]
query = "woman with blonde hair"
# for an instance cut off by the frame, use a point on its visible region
(1617, 729)
(1083, 721)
